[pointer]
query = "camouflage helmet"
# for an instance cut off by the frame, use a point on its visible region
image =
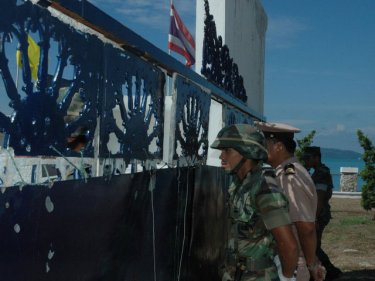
(244, 138)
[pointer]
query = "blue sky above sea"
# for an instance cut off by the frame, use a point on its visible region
(320, 61)
(320, 68)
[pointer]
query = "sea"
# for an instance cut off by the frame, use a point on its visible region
(336, 163)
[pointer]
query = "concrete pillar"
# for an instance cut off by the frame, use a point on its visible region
(348, 179)
(242, 24)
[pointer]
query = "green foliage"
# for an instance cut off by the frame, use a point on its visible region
(303, 143)
(368, 173)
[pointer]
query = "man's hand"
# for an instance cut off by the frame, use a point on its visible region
(226, 277)
(317, 271)
(228, 272)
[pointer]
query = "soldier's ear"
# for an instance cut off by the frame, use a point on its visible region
(279, 146)
(317, 158)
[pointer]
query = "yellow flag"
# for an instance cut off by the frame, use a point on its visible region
(33, 52)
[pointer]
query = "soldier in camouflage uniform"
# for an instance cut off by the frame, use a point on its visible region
(323, 182)
(259, 220)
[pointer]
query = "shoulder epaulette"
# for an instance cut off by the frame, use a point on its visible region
(289, 169)
(268, 171)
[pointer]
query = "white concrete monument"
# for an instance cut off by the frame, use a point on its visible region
(242, 24)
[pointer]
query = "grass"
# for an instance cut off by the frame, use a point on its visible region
(350, 221)
(349, 239)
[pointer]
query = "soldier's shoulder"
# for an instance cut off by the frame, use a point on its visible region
(268, 171)
(323, 169)
(270, 178)
(269, 183)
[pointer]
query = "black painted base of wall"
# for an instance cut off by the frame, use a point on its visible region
(166, 225)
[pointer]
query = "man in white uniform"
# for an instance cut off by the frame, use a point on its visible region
(297, 184)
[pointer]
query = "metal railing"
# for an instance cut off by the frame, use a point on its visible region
(99, 80)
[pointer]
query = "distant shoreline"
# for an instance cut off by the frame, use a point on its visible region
(340, 154)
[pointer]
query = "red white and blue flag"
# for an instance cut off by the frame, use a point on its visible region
(180, 39)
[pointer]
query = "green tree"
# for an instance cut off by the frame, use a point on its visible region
(304, 142)
(368, 173)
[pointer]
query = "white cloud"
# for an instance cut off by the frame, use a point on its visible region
(334, 130)
(145, 17)
(340, 127)
(370, 130)
(151, 13)
(340, 131)
(346, 139)
(294, 122)
(282, 31)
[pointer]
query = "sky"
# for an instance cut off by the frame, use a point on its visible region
(319, 64)
(320, 68)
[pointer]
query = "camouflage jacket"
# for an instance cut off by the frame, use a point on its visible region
(257, 205)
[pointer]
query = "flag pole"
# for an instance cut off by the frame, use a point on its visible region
(169, 53)
(170, 6)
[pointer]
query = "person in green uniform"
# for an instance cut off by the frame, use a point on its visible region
(322, 179)
(259, 222)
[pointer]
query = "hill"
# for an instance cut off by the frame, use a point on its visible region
(340, 154)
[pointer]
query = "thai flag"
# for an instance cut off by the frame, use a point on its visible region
(180, 39)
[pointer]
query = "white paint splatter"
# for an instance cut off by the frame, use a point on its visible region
(49, 204)
(47, 267)
(17, 228)
(50, 254)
